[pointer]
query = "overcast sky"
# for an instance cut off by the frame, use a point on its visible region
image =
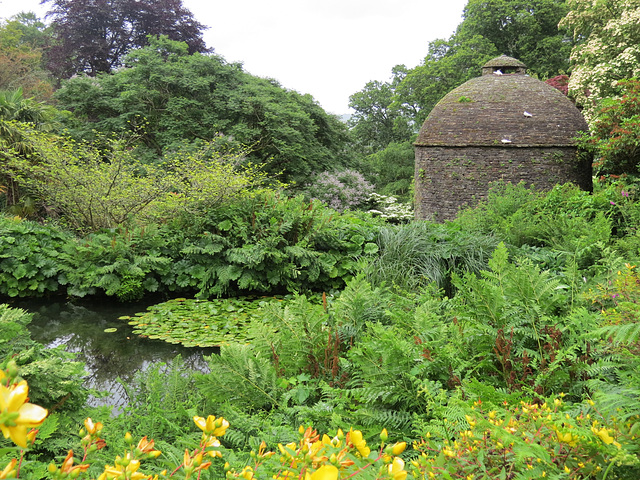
(327, 48)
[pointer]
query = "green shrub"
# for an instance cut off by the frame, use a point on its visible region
(272, 244)
(30, 263)
(124, 263)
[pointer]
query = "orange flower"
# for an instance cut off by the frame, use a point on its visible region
(68, 467)
(146, 446)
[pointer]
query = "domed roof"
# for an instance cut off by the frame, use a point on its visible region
(502, 107)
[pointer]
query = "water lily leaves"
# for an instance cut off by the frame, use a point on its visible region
(110, 330)
(200, 323)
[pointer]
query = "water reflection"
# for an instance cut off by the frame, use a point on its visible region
(107, 355)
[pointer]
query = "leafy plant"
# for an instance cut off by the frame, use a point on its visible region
(53, 374)
(123, 263)
(30, 263)
(93, 188)
(270, 244)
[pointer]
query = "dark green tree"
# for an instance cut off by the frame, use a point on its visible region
(167, 98)
(378, 119)
(526, 30)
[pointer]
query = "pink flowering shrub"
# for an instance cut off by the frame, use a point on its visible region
(344, 190)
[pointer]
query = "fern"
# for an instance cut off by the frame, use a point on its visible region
(240, 376)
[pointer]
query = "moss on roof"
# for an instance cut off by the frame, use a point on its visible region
(512, 110)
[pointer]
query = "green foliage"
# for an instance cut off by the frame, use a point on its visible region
(243, 377)
(266, 243)
(166, 98)
(392, 169)
(528, 32)
(22, 41)
(122, 263)
(615, 132)
(162, 400)
(575, 224)
(414, 255)
(30, 263)
(94, 189)
(378, 119)
(270, 243)
(517, 328)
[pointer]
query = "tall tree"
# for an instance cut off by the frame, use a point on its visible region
(526, 30)
(22, 41)
(168, 98)
(378, 120)
(93, 36)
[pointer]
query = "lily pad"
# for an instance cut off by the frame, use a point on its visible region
(110, 330)
(201, 323)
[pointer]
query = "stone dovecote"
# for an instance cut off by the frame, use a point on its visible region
(504, 126)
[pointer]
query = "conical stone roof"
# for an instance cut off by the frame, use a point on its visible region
(503, 107)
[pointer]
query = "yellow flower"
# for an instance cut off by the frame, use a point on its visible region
(118, 471)
(398, 448)
(325, 472)
(19, 416)
(603, 434)
(567, 438)
(212, 425)
(448, 452)
(10, 469)
(396, 469)
(355, 437)
(470, 421)
(247, 473)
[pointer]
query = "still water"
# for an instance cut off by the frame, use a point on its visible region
(108, 355)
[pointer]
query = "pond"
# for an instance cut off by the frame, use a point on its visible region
(106, 344)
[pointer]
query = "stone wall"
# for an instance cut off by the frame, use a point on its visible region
(448, 178)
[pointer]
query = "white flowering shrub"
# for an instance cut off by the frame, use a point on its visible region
(609, 52)
(388, 207)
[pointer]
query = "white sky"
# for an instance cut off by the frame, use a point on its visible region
(327, 48)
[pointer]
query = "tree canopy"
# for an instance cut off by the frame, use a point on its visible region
(167, 98)
(93, 36)
(23, 39)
